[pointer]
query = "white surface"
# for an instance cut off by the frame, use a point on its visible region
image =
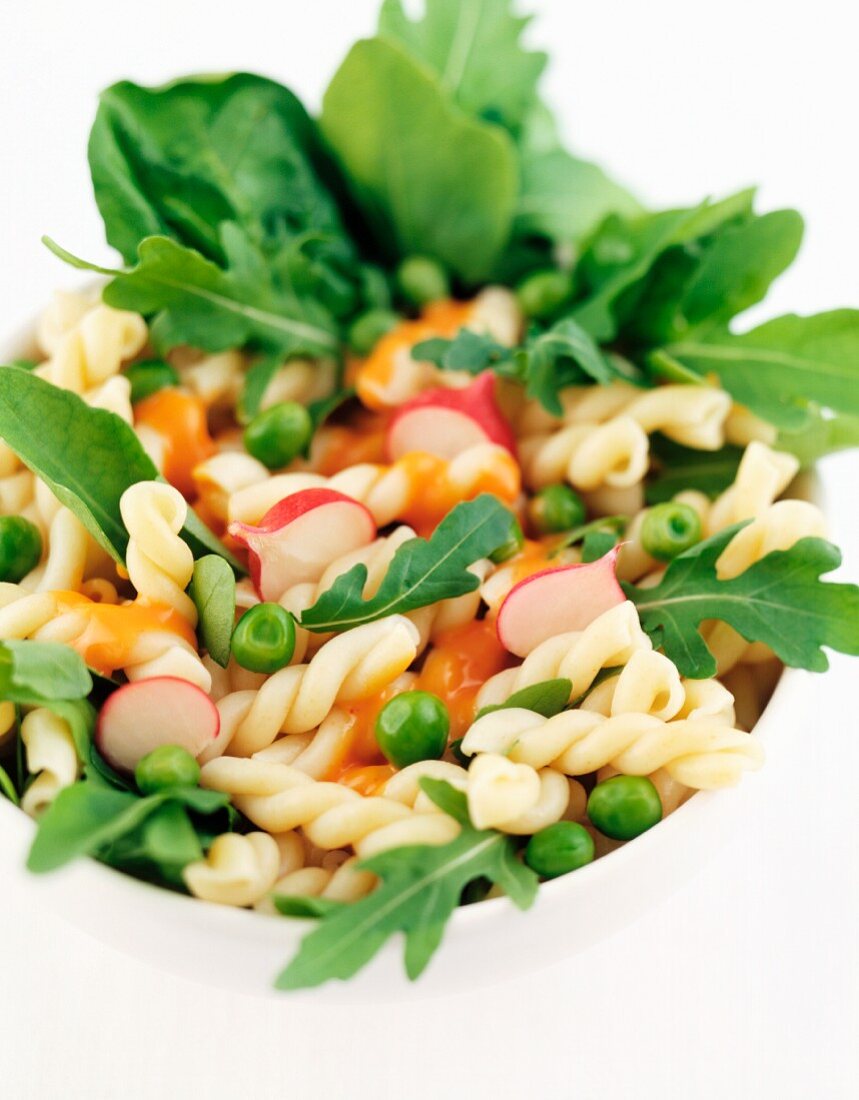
(745, 983)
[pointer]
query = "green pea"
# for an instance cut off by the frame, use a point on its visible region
(556, 508)
(368, 329)
(24, 364)
(166, 767)
(264, 638)
(543, 293)
(625, 806)
(669, 529)
(412, 727)
(422, 280)
(559, 849)
(278, 434)
(149, 376)
(514, 543)
(20, 548)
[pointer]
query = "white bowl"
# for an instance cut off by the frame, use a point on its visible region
(243, 951)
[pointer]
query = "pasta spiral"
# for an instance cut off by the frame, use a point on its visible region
(703, 753)
(159, 563)
(351, 666)
(51, 756)
(238, 870)
(607, 642)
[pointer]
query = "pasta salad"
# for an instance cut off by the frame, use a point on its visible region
(405, 520)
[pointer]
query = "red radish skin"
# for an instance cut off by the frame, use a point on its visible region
(557, 601)
(146, 714)
(446, 422)
(300, 536)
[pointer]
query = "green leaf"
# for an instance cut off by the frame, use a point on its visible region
(257, 381)
(548, 698)
(562, 356)
(614, 525)
(475, 49)
(423, 571)
(737, 269)
(7, 788)
(305, 907)
(420, 888)
(780, 601)
(565, 198)
(426, 177)
(35, 672)
(779, 366)
(84, 818)
(88, 458)
(824, 434)
(469, 351)
(196, 302)
(180, 160)
(159, 849)
(92, 817)
(678, 468)
(213, 590)
(622, 257)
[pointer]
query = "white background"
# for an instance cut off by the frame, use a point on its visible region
(745, 983)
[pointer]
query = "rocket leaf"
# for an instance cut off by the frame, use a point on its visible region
(421, 886)
(423, 571)
(780, 601)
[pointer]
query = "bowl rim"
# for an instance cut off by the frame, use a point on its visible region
(17, 828)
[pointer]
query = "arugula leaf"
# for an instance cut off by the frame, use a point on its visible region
(425, 177)
(423, 571)
(564, 197)
(621, 259)
(614, 525)
(291, 906)
(34, 673)
(565, 355)
(90, 816)
(469, 351)
(679, 468)
(198, 303)
(7, 788)
(420, 888)
(824, 434)
(780, 601)
(159, 849)
(213, 590)
(180, 160)
(88, 459)
(777, 367)
(475, 49)
(548, 698)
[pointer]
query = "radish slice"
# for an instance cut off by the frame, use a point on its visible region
(301, 536)
(140, 717)
(446, 422)
(557, 601)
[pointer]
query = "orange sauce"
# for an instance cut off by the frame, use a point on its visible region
(443, 318)
(336, 447)
(458, 665)
(359, 753)
(433, 494)
(112, 630)
(532, 558)
(180, 419)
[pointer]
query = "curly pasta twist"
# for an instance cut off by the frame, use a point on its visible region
(416, 481)
(607, 642)
(91, 349)
(650, 684)
(692, 415)
(278, 798)
(351, 666)
(702, 753)
(159, 563)
(238, 870)
(763, 475)
(51, 756)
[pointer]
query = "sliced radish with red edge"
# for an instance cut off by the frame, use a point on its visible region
(446, 422)
(557, 601)
(146, 714)
(301, 536)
